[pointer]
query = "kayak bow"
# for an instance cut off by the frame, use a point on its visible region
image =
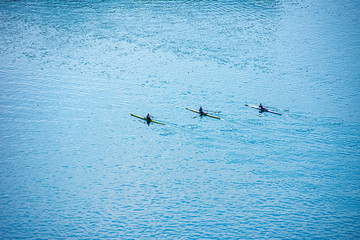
(143, 118)
(205, 114)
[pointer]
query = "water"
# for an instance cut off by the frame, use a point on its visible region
(75, 164)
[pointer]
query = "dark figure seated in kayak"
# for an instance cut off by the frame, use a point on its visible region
(262, 109)
(201, 111)
(148, 119)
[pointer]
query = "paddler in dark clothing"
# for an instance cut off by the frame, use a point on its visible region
(201, 111)
(148, 119)
(262, 109)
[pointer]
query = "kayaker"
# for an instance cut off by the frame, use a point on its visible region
(148, 118)
(262, 109)
(201, 111)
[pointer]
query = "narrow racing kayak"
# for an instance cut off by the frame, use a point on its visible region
(206, 114)
(143, 118)
(265, 110)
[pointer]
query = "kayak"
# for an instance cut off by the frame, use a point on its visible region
(265, 110)
(143, 118)
(205, 114)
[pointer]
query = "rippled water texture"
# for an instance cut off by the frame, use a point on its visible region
(75, 164)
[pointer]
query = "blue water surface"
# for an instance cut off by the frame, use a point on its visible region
(75, 164)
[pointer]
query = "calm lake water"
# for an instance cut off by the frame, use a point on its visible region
(75, 164)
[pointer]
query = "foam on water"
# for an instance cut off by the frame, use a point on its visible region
(75, 164)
